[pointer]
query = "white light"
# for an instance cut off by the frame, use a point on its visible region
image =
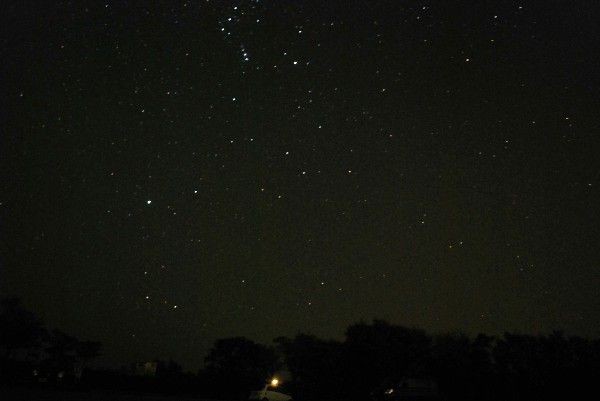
(148, 202)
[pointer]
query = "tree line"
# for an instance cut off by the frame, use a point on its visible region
(370, 358)
(29, 349)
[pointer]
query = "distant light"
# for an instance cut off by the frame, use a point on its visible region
(148, 202)
(274, 382)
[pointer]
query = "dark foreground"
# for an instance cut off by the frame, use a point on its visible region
(40, 394)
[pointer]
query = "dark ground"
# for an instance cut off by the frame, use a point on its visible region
(38, 394)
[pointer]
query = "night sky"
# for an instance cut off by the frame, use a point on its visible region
(179, 171)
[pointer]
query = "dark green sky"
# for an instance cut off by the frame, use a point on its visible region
(182, 171)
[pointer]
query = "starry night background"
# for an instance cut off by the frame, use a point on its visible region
(176, 172)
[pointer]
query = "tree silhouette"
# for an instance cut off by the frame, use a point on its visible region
(20, 329)
(61, 350)
(373, 358)
(26, 345)
(463, 367)
(381, 352)
(238, 365)
(85, 351)
(314, 365)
